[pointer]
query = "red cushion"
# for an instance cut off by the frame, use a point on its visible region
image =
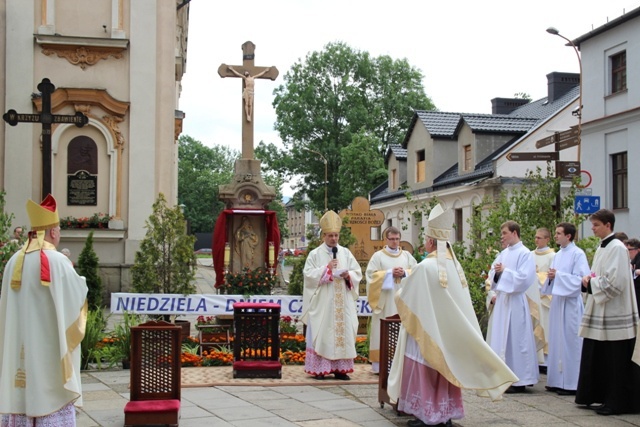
(256, 365)
(136, 406)
(255, 305)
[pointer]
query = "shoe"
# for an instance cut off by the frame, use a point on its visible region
(595, 407)
(563, 392)
(553, 389)
(415, 423)
(516, 389)
(542, 369)
(343, 377)
(605, 410)
(318, 377)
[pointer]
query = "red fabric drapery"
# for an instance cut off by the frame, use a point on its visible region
(221, 236)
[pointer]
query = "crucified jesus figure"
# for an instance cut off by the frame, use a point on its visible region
(249, 85)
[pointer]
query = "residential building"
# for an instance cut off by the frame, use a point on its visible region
(611, 116)
(297, 222)
(460, 158)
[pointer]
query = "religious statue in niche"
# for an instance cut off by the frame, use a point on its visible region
(249, 88)
(246, 242)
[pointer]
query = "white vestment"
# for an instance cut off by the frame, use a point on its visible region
(567, 307)
(329, 308)
(510, 332)
(381, 287)
(543, 258)
(443, 324)
(41, 327)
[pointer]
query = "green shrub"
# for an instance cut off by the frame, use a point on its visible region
(93, 335)
(88, 267)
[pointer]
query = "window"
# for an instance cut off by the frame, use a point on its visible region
(468, 165)
(458, 225)
(620, 183)
(619, 72)
(420, 166)
(394, 179)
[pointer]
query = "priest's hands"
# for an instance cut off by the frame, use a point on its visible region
(398, 272)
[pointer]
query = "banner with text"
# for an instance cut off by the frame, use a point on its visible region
(209, 304)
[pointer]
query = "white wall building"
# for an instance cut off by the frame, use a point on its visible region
(611, 116)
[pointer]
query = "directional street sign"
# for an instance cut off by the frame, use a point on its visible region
(558, 137)
(514, 157)
(586, 204)
(566, 143)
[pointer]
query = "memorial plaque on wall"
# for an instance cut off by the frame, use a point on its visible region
(82, 189)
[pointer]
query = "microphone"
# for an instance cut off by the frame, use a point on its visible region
(335, 251)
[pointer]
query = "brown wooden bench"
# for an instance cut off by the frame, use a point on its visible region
(155, 375)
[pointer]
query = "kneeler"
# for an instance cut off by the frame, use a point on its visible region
(155, 375)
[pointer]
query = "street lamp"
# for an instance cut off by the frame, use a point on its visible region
(325, 174)
(555, 32)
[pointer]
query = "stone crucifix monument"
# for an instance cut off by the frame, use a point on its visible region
(248, 231)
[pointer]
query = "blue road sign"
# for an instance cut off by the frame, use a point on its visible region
(586, 204)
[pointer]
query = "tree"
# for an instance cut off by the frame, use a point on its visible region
(88, 267)
(9, 248)
(329, 98)
(201, 170)
(165, 262)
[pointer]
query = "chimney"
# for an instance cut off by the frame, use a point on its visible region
(560, 83)
(506, 105)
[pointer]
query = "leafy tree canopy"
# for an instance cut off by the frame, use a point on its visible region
(201, 170)
(326, 100)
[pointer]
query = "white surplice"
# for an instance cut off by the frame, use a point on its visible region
(381, 287)
(567, 307)
(510, 332)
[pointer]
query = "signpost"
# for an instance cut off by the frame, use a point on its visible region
(46, 118)
(586, 204)
(552, 155)
(558, 137)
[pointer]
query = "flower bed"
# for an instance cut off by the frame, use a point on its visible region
(97, 220)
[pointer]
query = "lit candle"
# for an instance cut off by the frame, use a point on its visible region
(227, 253)
(272, 254)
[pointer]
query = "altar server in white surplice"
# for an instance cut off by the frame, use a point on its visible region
(564, 282)
(384, 272)
(511, 332)
(542, 256)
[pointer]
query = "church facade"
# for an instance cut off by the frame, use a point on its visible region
(119, 62)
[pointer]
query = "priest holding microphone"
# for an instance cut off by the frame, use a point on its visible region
(331, 279)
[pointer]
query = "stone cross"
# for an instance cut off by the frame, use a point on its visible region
(46, 119)
(248, 72)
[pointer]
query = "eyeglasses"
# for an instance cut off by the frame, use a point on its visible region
(633, 249)
(393, 238)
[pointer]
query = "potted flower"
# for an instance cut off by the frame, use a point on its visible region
(249, 282)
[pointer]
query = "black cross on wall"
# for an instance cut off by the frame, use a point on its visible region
(46, 118)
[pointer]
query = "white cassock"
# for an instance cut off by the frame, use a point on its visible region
(381, 287)
(510, 332)
(543, 258)
(329, 308)
(567, 307)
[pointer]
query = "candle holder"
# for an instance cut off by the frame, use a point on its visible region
(227, 257)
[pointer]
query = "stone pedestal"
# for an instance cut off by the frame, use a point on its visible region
(247, 190)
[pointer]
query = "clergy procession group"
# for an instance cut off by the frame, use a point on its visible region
(548, 312)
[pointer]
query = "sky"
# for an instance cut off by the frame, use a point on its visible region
(469, 51)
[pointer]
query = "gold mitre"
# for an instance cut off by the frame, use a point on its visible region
(330, 222)
(43, 216)
(439, 223)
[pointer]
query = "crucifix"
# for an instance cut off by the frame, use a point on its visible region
(248, 72)
(46, 119)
